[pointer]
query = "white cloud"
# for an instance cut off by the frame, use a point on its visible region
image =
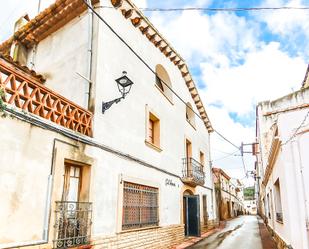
(238, 68)
(213, 37)
(267, 73)
(284, 22)
(291, 26)
(236, 133)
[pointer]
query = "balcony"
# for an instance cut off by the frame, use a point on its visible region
(72, 224)
(24, 90)
(192, 173)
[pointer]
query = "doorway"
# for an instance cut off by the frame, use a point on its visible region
(191, 208)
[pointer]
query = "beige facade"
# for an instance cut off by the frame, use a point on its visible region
(72, 176)
(229, 195)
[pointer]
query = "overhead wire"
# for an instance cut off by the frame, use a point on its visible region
(223, 152)
(150, 68)
(224, 157)
(218, 9)
(302, 124)
(227, 140)
(3, 24)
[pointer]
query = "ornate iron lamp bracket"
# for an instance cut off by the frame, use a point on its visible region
(107, 105)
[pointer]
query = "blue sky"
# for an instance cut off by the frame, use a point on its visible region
(237, 58)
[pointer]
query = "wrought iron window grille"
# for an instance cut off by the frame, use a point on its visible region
(140, 206)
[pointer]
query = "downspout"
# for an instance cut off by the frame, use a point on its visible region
(213, 192)
(34, 49)
(48, 203)
(301, 169)
(88, 81)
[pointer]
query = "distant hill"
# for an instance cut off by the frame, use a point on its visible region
(249, 193)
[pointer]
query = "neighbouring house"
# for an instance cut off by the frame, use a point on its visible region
(229, 195)
(282, 172)
(250, 207)
(92, 156)
(250, 200)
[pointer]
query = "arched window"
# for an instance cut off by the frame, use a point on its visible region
(163, 82)
(190, 114)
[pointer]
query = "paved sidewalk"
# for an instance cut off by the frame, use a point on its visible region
(267, 240)
(191, 241)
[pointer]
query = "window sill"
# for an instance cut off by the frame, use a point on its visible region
(164, 94)
(280, 221)
(193, 126)
(153, 146)
(138, 229)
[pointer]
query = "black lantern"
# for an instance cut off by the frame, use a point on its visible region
(124, 86)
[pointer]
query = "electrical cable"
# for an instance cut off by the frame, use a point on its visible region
(217, 9)
(149, 67)
(223, 152)
(229, 155)
(17, 7)
(226, 139)
(297, 129)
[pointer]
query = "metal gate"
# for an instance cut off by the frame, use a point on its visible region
(192, 215)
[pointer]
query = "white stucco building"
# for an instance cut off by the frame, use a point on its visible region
(250, 207)
(135, 176)
(283, 167)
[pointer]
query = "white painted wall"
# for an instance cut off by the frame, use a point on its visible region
(60, 56)
(290, 168)
(123, 128)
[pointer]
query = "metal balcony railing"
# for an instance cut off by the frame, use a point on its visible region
(72, 224)
(24, 91)
(192, 173)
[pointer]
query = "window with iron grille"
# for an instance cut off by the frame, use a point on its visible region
(140, 206)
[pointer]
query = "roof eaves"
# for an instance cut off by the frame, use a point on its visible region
(45, 23)
(138, 20)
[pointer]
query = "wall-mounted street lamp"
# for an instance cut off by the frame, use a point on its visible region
(124, 86)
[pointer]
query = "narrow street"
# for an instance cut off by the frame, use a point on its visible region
(242, 232)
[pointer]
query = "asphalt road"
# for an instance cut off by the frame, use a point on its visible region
(239, 233)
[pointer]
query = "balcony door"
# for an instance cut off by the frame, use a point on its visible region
(72, 183)
(73, 212)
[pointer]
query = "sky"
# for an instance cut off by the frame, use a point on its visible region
(237, 60)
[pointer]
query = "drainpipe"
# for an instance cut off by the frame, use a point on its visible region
(300, 168)
(34, 49)
(214, 204)
(88, 81)
(48, 204)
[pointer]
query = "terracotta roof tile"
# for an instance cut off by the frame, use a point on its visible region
(138, 20)
(23, 68)
(45, 23)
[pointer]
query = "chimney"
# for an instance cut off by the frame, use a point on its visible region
(19, 51)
